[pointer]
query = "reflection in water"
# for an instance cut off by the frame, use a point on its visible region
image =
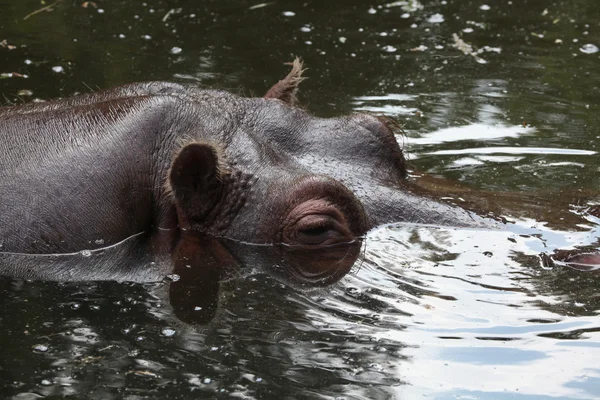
(200, 263)
(195, 268)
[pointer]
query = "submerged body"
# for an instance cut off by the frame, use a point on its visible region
(157, 159)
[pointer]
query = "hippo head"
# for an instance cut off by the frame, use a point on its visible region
(281, 175)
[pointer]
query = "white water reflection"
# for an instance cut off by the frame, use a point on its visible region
(514, 150)
(387, 104)
(477, 131)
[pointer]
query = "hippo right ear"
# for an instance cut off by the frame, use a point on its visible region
(195, 181)
(287, 88)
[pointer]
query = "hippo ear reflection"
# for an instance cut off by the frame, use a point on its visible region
(201, 263)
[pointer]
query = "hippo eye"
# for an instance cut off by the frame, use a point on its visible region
(320, 230)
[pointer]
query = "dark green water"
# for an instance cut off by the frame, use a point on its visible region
(427, 313)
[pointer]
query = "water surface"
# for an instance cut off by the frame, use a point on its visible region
(500, 104)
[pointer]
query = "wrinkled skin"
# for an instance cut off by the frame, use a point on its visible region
(158, 159)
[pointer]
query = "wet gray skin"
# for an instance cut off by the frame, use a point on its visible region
(160, 158)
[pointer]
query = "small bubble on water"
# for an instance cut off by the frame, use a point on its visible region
(121, 36)
(28, 62)
(146, 37)
(40, 348)
(305, 29)
(484, 7)
(372, 11)
(46, 382)
(197, 308)
(58, 69)
(288, 13)
(589, 48)
(258, 379)
(352, 290)
(175, 50)
(468, 30)
(85, 253)
(342, 39)
(206, 381)
(174, 277)
(169, 332)
(100, 11)
(389, 49)
(99, 241)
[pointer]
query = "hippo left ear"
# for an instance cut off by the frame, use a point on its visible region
(287, 88)
(195, 181)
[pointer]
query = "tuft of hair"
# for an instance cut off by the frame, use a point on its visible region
(287, 88)
(223, 166)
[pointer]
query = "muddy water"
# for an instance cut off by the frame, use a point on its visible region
(500, 103)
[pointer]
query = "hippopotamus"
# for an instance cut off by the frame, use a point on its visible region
(154, 160)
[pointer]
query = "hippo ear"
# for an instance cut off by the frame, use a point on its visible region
(195, 181)
(287, 88)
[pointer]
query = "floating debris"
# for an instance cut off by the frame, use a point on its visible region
(406, 5)
(436, 19)
(469, 50)
(419, 48)
(143, 373)
(172, 11)
(4, 44)
(13, 75)
(47, 8)
(589, 48)
(260, 5)
(168, 332)
(40, 348)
